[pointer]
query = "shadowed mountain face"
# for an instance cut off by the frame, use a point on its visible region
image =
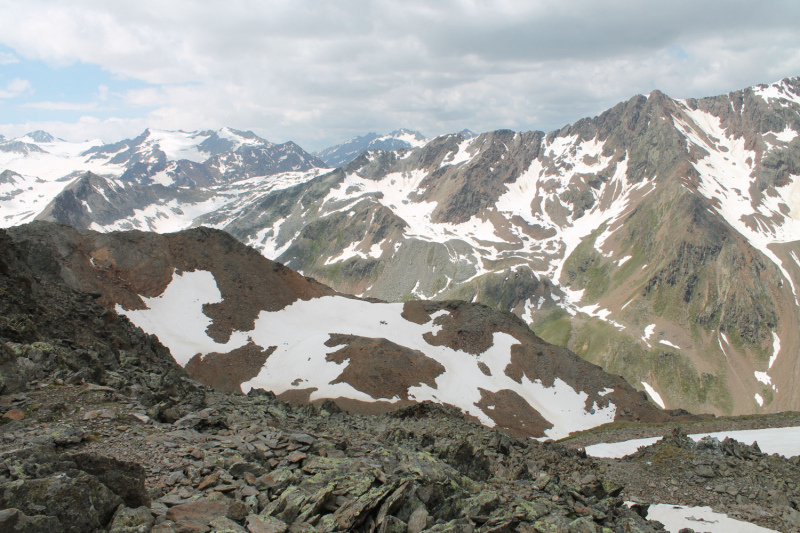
(658, 240)
(237, 320)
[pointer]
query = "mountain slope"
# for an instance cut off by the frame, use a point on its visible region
(234, 318)
(195, 452)
(468, 219)
(658, 239)
(169, 158)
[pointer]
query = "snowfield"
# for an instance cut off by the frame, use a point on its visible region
(783, 441)
(300, 331)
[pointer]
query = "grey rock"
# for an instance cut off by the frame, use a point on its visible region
(14, 521)
(80, 503)
(127, 520)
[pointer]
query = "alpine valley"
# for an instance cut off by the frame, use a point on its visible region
(658, 240)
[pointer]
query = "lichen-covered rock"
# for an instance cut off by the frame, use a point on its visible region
(127, 520)
(79, 501)
(265, 524)
(15, 521)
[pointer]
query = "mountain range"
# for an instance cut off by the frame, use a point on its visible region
(341, 154)
(657, 240)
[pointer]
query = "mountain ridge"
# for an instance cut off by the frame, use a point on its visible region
(342, 154)
(559, 228)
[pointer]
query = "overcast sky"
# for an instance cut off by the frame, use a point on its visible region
(319, 72)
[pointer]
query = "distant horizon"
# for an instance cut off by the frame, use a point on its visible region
(315, 150)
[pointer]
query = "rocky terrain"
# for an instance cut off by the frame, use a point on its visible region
(103, 431)
(657, 240)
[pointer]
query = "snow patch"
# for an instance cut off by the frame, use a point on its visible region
(763, 378)
(783, 441)
(678, 517)
(653, 394)
(776, 347)
(176, 316)
(648, 331)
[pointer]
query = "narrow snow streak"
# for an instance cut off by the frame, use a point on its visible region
(654, 395)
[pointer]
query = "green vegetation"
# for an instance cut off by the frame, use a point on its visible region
(555, 328)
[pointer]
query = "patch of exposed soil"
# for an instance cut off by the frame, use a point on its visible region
(513, 414)
(227, 371)
(381, 368)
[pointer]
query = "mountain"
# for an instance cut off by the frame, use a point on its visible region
(170, 158)
(658, 240)
(40, 136)
(342, 154)
(102, 430)
(202, 158)
(235, 319)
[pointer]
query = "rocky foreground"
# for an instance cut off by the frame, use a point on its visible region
(103, 431)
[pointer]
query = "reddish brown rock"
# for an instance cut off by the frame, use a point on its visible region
(296, 457)
(14, 414)
(209, 481)
(204, 512)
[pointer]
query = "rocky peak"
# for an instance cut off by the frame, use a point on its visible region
(40, 136)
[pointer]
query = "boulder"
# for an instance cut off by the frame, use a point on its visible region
(18, 522)
(124, 478)
(127, 520)
(80, 502)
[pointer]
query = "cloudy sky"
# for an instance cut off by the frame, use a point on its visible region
(319, 72)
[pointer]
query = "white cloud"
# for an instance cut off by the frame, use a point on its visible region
(320, 72)
(16, 87)
(60, 106)
(8, 59)
(86, 127)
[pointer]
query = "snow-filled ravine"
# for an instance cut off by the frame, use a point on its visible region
(300, 331)
(783, 441)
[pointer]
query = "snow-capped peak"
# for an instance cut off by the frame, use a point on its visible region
(413, 138)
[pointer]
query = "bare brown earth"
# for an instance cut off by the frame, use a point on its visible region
(512, 414)
(470, 328)
(227, 371)
(133, 263)
(382, 368)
